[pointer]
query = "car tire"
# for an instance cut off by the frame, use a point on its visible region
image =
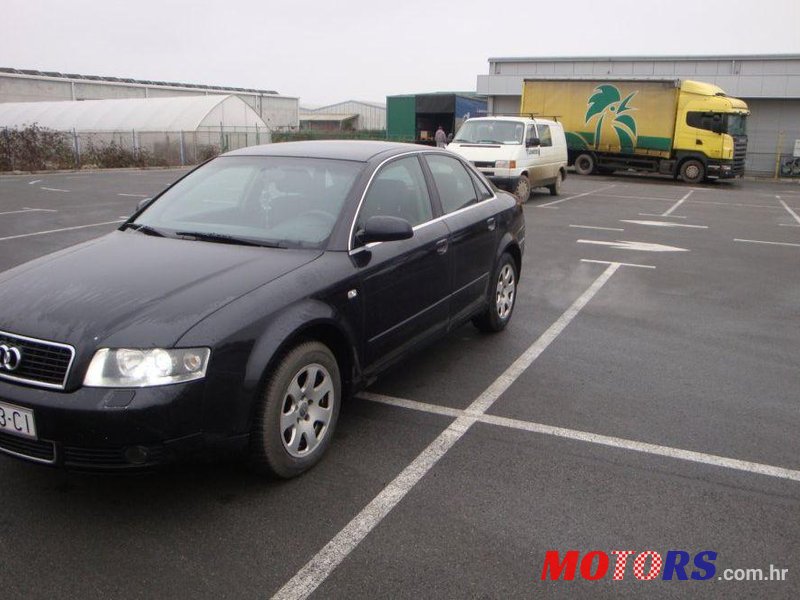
(584, 164)
(555, 188)
(693, 171)
(297, 415)
(523, 188)
(502, 296)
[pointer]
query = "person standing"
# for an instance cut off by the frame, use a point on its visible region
(440, 137)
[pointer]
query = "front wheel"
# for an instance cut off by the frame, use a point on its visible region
(523, 188)
(298, 412)
(693, 171)
(503, 290)
(584, 164)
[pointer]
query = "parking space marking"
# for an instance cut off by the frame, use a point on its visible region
(24, 235)
(663, 224)
(27, 210)
(49, 189)
(677, 204)
(791, 212)
(622, 264)
(549, 204)
(317, 570)
(593, 438)
(636, 246)
(658, 215)
(34, 181)
(638, 197)
(134, 195)
(763, 242)
(593, 227)
(788, 224)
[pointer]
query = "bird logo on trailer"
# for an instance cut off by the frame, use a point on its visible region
(611, 114)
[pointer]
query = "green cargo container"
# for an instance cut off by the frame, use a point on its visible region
(401, 117)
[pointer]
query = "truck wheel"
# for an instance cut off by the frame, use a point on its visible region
(584, 164)
(297, 413)
(523, 189)
(555, 188)
(693, 171)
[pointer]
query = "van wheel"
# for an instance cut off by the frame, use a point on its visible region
(298, 412)
(502, 297)
(693, 171)
(523, 189)
(584, 164)
(555, 188)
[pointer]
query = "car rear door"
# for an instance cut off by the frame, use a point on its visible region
(405, 284)
(470, 216)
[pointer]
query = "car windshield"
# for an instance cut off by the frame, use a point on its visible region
(269, 201)
(487, 131)
(736, 124)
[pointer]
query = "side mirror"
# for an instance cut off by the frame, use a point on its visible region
(533, 143)
(385, 229)
(144, 203)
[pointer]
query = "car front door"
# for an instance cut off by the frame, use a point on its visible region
(405, 284)
(470, 217)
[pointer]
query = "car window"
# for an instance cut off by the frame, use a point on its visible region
(291, 201)
(398, 190)
(531, 135)
(483, 191)
(452, 181)
(545, 138)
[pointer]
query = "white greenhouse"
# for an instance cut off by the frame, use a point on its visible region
(174, 130)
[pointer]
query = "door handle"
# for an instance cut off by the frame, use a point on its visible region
(441, 246)
(491, 223)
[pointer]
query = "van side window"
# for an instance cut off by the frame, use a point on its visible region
(544, 135)
(531, 135)
(398, 190)
(453, 183)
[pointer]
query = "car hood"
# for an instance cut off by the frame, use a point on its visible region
(128, 289)
(486, 152)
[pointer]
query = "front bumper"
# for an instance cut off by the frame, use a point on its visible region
(724, 169)
(108, 429)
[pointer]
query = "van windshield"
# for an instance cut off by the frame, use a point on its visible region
(491, 132)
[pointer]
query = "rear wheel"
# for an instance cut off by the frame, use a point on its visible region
(523, 188)
(584, 164)
(503, 296)
(693, 171)
(555, 188)
(298, 412)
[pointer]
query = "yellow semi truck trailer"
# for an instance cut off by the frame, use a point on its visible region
(686, 129)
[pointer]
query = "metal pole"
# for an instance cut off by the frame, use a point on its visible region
(183, 152)
(76, 145)
(778, 155)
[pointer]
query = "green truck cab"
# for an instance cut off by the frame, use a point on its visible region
(681, 128)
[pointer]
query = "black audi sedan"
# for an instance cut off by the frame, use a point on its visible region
(236, 310)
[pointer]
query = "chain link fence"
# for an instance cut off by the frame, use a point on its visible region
(34, 148)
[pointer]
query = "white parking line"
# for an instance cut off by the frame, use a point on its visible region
(608, 187)
(635, 246)
(622, 264)
(134, 195)
(791, 212)
(49, 189)
(593, 438)
(770, 243)
(34, 181)
(24, 235)
(26, 210)
(663, 224)
(677, 204)
(638, 197)
(317, 570)
(788, 225)
(660, 215)
(593, 227)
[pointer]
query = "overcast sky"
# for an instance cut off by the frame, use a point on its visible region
(329, 51)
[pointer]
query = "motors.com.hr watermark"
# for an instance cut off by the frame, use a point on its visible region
(648, 565)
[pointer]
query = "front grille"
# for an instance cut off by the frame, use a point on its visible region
(37, 450)
(739, 153)
(107, 457)
(484, 164)
(43, 363)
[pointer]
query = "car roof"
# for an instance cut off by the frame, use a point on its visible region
(357, 150)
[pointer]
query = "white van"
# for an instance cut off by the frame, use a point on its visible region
(515, 153)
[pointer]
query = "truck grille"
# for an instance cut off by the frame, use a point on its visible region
(43, 363)
(739, 153)
(37, 450)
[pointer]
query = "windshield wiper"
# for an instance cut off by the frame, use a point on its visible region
(146, 229)
(227, 239)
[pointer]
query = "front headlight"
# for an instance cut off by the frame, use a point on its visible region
(126, 367)
(506, 164)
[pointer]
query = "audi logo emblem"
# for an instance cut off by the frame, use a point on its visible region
(10, 357)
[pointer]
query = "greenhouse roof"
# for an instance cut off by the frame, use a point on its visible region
(186, 113)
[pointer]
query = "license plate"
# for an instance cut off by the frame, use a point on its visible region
(17, 420)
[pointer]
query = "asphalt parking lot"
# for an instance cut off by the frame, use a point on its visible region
(644, 397)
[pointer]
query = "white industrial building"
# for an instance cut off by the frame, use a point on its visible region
(352, 114)
(18, 85)
(770, 84)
